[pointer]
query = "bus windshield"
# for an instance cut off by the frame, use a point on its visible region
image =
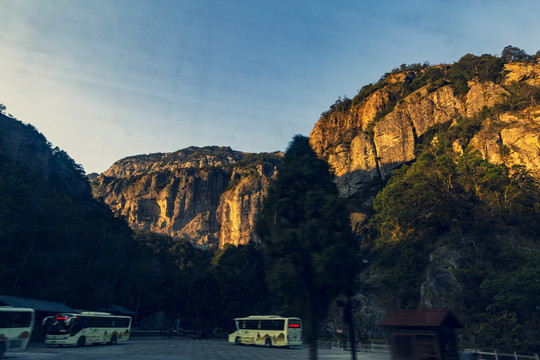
(59, 325)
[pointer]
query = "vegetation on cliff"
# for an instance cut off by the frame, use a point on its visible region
(406, 79)
(490, 215)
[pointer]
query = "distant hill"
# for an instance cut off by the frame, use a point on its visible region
(92, 176)
(22, 144)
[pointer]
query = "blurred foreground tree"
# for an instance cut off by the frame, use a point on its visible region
(308, 239)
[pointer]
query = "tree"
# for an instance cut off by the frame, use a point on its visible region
(308, 239)
(512, 53)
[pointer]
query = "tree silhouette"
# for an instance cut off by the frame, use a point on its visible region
(308, 240)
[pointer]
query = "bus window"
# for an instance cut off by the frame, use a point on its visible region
(252, 324)
(272, 324)
(15, 319)
(4, 320)
(20, 319)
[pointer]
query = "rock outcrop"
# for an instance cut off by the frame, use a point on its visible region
(209, 196)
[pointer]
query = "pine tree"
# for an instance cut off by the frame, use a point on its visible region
(308, 239)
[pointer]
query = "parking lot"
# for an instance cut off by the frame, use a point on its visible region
(181, 349)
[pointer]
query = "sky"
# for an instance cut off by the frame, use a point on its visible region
(107, 79)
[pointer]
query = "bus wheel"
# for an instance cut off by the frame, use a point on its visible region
(81, 341)
(114, 340)
(268, 342)
(237, 341)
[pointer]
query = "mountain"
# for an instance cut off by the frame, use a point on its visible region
(209, 196)
(440, 167)
(196, 194)
(367, 137)
(361, 144)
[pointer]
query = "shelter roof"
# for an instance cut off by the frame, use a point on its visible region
(117, 309)
(37, 305)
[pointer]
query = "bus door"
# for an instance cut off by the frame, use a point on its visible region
(96, 332)
(247, 331)
(87, 327)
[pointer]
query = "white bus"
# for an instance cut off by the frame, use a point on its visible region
(86, 328)
(15, 328)
(267, 330)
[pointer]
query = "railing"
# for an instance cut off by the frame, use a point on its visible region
(194, 334)
(171, 333)
(370, 346)
(495, 355)
(346, 344)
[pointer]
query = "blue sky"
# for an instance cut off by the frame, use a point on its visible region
(106, 79)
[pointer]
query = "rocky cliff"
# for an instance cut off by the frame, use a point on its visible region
(209, 196)
(494, 108)
(361, 145)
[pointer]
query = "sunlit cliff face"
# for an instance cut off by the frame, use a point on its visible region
(203, 195)
(360, 147)
(207, 197)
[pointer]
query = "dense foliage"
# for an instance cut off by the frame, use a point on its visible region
(58, 248)
(201, 287)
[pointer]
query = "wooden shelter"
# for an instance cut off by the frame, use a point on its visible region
(422, 334)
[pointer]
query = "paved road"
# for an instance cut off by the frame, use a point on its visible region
(181, 349)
